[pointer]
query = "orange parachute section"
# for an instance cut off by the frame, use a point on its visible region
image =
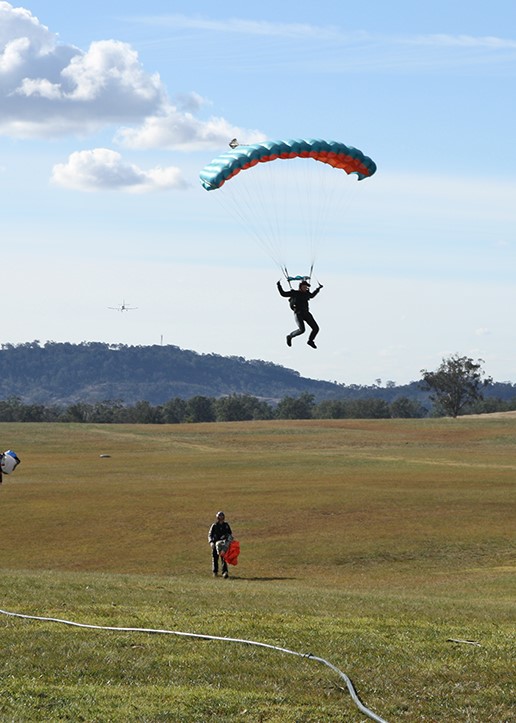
(231, 554)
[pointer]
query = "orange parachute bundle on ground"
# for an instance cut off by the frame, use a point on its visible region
(231, 554)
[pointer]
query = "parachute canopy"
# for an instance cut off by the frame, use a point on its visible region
(8, 461)
(242, 157)
(290, 208)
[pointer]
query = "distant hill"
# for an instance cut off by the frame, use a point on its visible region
(63, 373)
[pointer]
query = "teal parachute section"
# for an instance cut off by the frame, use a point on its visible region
(242, 157)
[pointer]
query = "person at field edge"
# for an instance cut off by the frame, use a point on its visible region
(9, 460)
(220, 530)
(298, 300)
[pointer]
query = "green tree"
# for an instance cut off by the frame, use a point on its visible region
(78, 412)
(106, 411)
(174, 411)
(332, 409)
(144, 413)
(457, 383)
(200, 409)
(405, 408)
(370, 408)
(239, 407)
(296, 407)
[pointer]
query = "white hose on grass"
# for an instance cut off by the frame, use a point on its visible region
(344, 677)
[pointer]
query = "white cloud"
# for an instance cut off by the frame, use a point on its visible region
(190, 102)
(49, 89)
(242, 27)
(340, 50)
(39, 87)
(108, 67)
(462, 41)
(175, 130)
(305, 31)
(19, 23)
(103, 169)
(13, 54)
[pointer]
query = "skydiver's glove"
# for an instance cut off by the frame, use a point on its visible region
(320, 286)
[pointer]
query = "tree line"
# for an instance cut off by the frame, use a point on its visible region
(232, 408)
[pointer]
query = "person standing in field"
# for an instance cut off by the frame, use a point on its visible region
(220, 531)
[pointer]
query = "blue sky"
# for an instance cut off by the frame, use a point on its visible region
(109, 110)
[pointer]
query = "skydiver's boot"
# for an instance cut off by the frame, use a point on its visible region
(289, 340)
(311, 343)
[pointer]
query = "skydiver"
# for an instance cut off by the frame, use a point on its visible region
(298, 300)
(219, 530)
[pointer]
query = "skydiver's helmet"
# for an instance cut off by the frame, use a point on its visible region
(9, 461)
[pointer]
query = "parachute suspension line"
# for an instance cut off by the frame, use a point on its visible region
(281, 206)
(199, 636)
(248, 199)
(240, 210)
(312, 182)
(273, 208)
(301, 193)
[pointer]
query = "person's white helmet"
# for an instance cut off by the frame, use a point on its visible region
(9, 461)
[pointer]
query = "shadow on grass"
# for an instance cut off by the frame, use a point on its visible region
(260, 579)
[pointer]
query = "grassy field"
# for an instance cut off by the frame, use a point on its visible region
(374, 544)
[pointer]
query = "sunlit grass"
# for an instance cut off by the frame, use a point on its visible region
(370, 543)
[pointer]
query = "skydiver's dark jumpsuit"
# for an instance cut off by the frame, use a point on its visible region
(299, 304)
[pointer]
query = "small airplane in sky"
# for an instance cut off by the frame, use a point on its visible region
(123, 307)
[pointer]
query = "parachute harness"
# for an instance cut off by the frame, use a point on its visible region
(199, 636)
(297, 278)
